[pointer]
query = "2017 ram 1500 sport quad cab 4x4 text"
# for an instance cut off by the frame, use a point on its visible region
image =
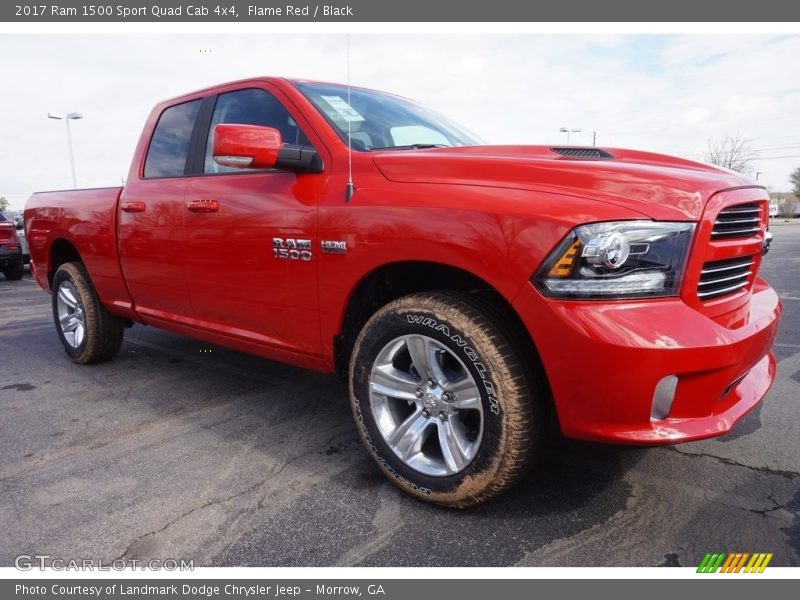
(466, 291)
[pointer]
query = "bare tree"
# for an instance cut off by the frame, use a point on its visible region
(3, 204)
(733, 153)
(787, 206)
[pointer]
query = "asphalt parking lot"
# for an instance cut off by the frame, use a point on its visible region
(181, 450)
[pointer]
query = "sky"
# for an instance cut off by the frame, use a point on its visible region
(661, 93)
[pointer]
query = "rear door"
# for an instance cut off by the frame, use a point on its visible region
(152, 219)
(239, 284)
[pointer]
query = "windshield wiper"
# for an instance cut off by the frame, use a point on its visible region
(412, 147)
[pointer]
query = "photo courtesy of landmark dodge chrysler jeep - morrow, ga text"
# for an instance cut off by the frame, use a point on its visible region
(467, 292)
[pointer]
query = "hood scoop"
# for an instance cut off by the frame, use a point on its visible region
(583, 153)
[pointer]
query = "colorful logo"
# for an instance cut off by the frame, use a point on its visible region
(735, 562)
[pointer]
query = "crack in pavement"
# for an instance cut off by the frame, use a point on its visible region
(781, 512)
(251, 488)
(193, 510)
(766, 512)
(728, 461)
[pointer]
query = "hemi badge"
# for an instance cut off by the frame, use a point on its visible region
(333, 247)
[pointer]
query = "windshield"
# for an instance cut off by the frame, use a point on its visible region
(382, 121)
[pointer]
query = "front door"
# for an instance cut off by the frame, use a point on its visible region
(239, 282)
(152, 220)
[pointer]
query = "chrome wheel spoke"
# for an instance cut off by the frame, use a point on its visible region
(66, 296)
(468, 403)
(69, 323)
(464, 385)
(410, 435)
(425, 356)
(454, 444)
(418, 349)
(466, 395)
(80, 331)
(393, 383)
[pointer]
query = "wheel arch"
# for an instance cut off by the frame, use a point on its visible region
(61, 251)
(393, 280)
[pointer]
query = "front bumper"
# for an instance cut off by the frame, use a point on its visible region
(604, 360)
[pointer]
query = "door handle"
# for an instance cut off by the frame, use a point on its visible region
(132, 207)
(205, 205)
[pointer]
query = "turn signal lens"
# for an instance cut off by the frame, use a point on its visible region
(565, 264)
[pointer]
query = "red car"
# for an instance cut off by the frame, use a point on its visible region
(12, 262)
(466, 291)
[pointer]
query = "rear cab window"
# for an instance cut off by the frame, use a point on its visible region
(169, 146)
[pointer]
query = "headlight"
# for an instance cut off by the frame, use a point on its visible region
(626, 259)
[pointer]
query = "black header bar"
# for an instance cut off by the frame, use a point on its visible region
(355, 11)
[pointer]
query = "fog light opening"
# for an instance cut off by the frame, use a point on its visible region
(663, 397)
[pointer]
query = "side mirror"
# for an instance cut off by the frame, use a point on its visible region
(246, 146)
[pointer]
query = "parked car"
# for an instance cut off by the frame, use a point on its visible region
(767, 241)
(465, 291)
(10, 250)
(19, 224)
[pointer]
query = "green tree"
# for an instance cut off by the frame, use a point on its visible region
(795, 179)
(3, 204)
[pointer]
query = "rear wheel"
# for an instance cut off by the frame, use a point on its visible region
(89, 333)
(443, 400)
(15, 271)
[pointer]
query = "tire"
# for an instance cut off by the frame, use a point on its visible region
(90, 334)
(486, 432)
(14, 272)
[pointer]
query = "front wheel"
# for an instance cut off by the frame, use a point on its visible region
(89, 333)
(443, 399)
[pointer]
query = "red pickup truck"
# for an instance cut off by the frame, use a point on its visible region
(468, 292)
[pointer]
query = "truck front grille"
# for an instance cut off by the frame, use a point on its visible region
(723, 277)
(741, 220)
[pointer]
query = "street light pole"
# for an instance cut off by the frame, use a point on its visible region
(69, 117)
(567, 130)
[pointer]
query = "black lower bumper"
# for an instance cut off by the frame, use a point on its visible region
(9, 259)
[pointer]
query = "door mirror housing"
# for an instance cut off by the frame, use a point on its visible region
(246, 146)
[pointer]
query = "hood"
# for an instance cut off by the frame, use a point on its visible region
(660, 187)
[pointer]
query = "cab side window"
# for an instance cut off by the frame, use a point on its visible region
(250, 107)
(169, 146)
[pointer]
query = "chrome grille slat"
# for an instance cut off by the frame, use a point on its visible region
(723, 277)
(735, 210)
(741, 220)
(722, 292)
(749, 263)
(737, 221)
(736, 232)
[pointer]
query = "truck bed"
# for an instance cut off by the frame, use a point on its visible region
(86, 220)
